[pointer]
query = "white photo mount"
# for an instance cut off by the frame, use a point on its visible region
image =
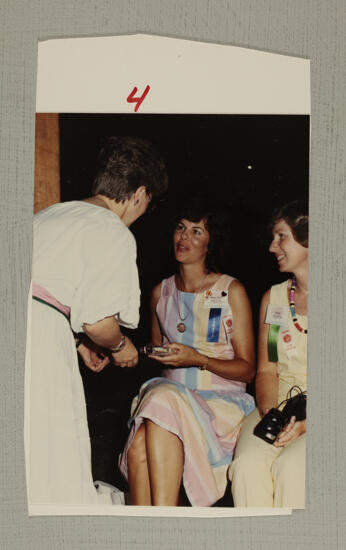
(96, 75)
(171, 76)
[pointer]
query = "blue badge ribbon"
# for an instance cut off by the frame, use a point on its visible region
(214, 324)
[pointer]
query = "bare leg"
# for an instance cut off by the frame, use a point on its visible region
(165, 454)
(138, 475)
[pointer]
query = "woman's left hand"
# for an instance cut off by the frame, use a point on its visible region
(291, 432)
(183, 356)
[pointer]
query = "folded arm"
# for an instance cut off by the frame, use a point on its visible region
(107, 334)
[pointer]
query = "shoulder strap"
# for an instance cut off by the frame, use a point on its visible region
(278, 294)
(223, 282)
(167, 287)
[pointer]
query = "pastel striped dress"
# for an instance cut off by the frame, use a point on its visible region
(203, 409)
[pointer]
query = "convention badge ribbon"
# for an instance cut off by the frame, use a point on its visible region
(214, 324)
(276, 317)
(273, 336)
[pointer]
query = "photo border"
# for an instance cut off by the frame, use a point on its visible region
(205, 78)
(291, 27)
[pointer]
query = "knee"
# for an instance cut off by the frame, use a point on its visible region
(246, 465)
(166, 393)
(137, 452)
(285, 470)
(251, 459)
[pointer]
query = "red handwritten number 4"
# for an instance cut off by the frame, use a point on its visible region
(138, 100)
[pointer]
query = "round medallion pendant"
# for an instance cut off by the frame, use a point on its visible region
(181, 327)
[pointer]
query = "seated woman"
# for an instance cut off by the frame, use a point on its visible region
(274, 475)
(185, 424)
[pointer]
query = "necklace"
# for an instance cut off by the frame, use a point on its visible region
(181, 325)
(292, 307)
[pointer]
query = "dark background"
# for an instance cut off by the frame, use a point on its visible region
(249, 164)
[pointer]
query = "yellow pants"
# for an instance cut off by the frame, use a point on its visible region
(264, 475)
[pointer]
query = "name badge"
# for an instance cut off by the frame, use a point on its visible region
(277, 315)
(215, 298)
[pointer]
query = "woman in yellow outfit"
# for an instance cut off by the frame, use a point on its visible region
(274, 475)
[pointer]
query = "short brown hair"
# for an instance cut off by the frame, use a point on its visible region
(126, 163)
(296, 215)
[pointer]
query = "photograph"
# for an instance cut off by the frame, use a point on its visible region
(223, 173)
(168, 319)
(173, 182)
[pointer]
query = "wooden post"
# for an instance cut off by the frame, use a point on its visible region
(47, 161)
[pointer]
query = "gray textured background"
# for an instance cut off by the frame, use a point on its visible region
(315, 29)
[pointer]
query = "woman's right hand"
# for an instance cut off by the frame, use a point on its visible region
(128, 356)
(292, 431)
(93, 358)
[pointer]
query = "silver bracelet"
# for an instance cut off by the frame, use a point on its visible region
(204, 367)
(120, 346)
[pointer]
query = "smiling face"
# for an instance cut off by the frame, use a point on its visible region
(190, 241)
(291, 255)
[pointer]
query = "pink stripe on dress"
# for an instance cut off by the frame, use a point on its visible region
(43, 294)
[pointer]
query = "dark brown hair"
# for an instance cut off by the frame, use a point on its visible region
(201, 208)
(126, 163)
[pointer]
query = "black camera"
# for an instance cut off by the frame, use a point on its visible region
(275, 420)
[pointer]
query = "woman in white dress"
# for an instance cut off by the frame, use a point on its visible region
(85, 281)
